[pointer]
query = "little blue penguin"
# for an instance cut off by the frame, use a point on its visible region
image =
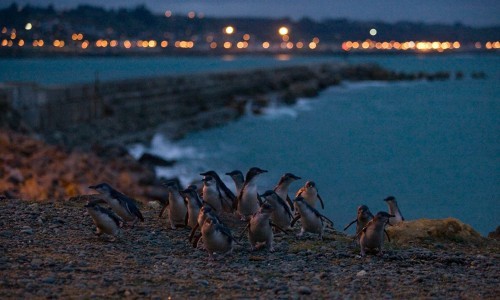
(217, 238)
(228, 198)
(394, 210)
(211, 193)
(310, 194)
(194, 205)
(260, 228)
(281, 215)
(248, 201)
(104, 219)
(122, 205)
(205, 212)
(363, 217)
(372, 235)
(238, 179)
(312, 221)
(282, 187)
(177, 210)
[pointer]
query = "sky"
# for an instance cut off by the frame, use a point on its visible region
(476, 13)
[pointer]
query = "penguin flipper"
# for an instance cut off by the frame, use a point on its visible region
(364, 228)
(294, 220)
(321, 201)
(193, 231)
(387, 235)
(327, 220)
(349, 225)
(243, 231)
(277, 227)
(289, 202)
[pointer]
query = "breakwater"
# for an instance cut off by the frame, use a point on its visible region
(132, 110)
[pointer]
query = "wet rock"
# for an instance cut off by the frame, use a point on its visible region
(27, 230)
(361, 273)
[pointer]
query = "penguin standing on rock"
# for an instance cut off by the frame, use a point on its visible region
(122, 205)
(312, 221)
(310, 194)
(248, 201)
(220, 192)
(217, 238)
(104, 219)
(177, 210)
(282, 187)
(281, 214)
(394, 210)
(363, 217)
(372, 235)
(194, 205)
(205, 212)
(260, 231)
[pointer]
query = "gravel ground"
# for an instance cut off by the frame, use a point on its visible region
(48, 250)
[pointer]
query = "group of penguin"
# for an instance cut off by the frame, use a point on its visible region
(200, 207)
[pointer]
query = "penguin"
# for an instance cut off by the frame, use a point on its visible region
(194, 205)
(394, 210)
(260, 228)
(282, 187)
(363, 217)
(177, 210)
(312, 221)
(217, 238)
(228, 198)
(211, 193)
(122, 205)
(281, 215)
(310, 194)
(238, 179)
(248, 202)
(372, 235)
(205, 212)
(104, 219)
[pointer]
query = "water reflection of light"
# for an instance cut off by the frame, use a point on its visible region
(283, 57)
(228, 57)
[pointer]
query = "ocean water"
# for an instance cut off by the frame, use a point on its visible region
(435, 146)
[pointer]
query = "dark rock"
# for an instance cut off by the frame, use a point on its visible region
(304, 290)
(155, 160)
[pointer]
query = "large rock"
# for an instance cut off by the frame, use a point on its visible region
(425, 231)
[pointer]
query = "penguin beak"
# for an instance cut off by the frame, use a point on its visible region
(92, 187)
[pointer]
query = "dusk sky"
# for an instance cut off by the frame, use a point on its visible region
(469, 12)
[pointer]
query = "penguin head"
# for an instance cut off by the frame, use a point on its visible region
(209, 181)
(209, 173)
(310, 185)
(363, 209)
(268, 194)
(253, 172)
(390, 199)
(236, 174)
(102, 188)
(266, 208)
(288, 177)
(171, 185)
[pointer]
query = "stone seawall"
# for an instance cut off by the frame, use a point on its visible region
(132, 110)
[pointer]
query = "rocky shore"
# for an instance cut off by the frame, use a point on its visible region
(48, 250)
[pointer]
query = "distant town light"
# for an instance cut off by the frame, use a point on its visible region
(28, 26)
(299, 45)
(213, 45)
(113, 43)
(477, 45)
(164, 44)
(285, 38)
(312, 45)
(85, 44)
(283, 30)
(316, 40)
(4, 29)
(127, 44)
(228, 45)
(168, 13)
(246, 37)
(373, 32)
(289, 45)
(191, 14)
(456, 45)
(265, 45)
(229, 30)
(20, 43)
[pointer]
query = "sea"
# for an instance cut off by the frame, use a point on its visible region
(434, 145)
